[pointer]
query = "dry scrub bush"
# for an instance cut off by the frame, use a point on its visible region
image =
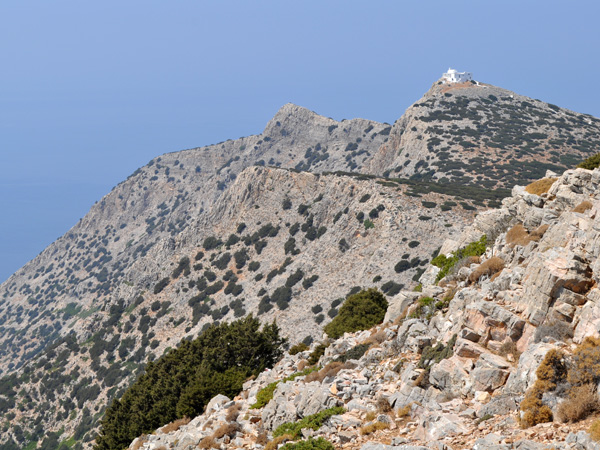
(580, 403)
(487, 268)
(330, 370)
(383, 405)
(538, 233)
(175, 425)
(551, 371)
(262, 437)
(422, 379)
(583, 207)
(208, 442)
(518, 235)
(586, 362)
(162, 447)
(233, 412)
(278, 440)
(370, 415)
(405, 410)
(302, 365)
(228, 429)
(594, 430)
(540, 187)
(373, 427)
(376, 338)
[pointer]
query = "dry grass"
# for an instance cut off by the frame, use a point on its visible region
(422, 378)
(278, 440)
(538, 233)
(233, 412)
(376, 338)
(262, 437)
(175, 425)
(583, 207)
(330, 370)
(373, 427)
(228, 429)
(303, 364)
(594, 430)
(579, 404)
(405, 410)
(383, 405)
(370, 416)
(487, 268)
(540, 187)
(139, 443)
(517, 235)
(208, 442)
(162, 447)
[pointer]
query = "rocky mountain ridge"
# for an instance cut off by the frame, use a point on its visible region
(453, 366)
(129, 281)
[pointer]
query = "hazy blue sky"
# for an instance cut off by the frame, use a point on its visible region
(90, 91)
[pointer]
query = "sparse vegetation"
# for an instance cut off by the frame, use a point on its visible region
(445, 263)
(314, 422)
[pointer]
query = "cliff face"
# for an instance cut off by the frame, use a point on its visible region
(450, 366)
(286, 236)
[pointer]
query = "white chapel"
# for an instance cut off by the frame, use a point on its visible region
(452, 76)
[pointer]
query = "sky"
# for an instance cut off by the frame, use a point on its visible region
(90, 91)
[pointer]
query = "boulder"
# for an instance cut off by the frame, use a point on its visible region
(450, 377)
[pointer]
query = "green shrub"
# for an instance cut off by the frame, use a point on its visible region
(182, 267)
(265, 395)
(355, 352)
(591, 163)
(433, 355)
(368, 224)
(184, 380)
(301, 347)
(359, 312)
(314, 422)
(476, 248)
(402, 266)
(316, 354)
(158, 287)
(211, 242)
(310, 444)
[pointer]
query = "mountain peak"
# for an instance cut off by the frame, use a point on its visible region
(292, 114)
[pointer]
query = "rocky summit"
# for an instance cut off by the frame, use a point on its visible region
(482, 282)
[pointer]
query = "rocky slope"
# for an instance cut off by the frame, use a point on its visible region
(477, 133)
(449, 373)
(278, 244)
(133, 277)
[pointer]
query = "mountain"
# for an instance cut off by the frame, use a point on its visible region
(283, 224)
(488, 358)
